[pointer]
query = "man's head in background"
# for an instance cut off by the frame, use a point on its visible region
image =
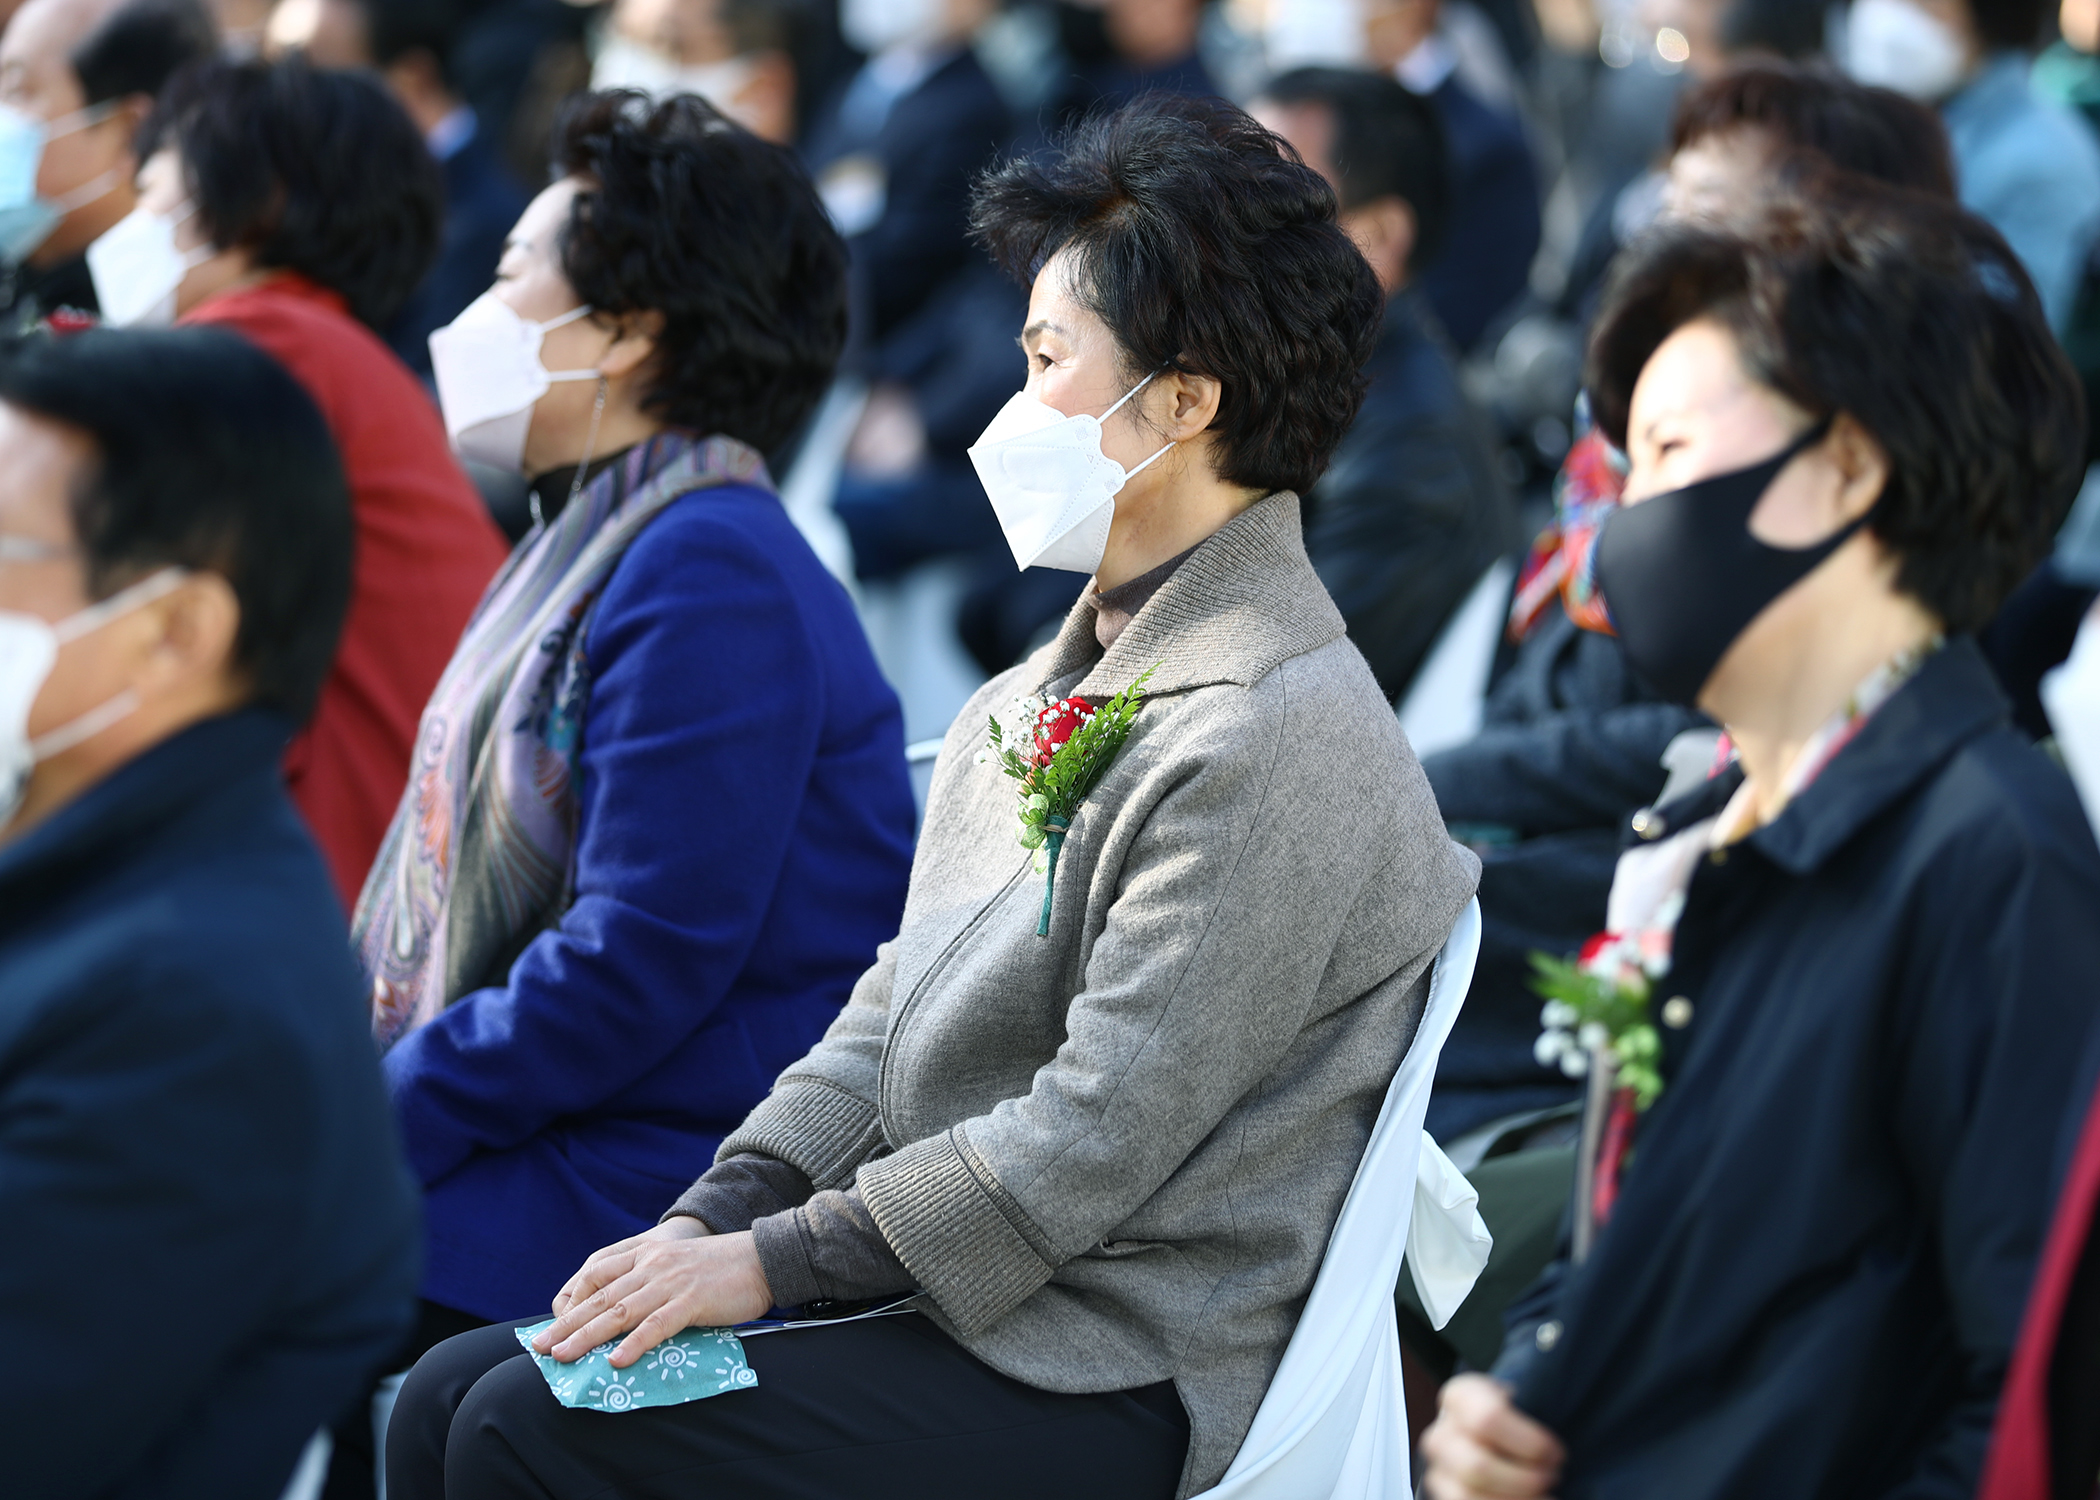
(175, 544)
(1732, 134)
(738, 55)
(80, 76)
(409, 43)
(1382, 150)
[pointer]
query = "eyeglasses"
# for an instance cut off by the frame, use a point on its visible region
(25, 549)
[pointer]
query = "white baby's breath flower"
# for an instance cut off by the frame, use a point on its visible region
(1574, 1062)
(1549, 1047)
(1593, 1036)
(1558, 1014)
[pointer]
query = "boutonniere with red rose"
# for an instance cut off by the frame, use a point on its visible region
(1058, 749)
(1596, 1025)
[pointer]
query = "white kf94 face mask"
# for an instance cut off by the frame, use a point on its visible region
(489, 377)
(137, 268)
(28, 648)
(1052, 488)
(1894, 44)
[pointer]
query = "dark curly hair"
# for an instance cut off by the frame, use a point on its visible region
(696, 219)
(309, 171)
(1208, 247)
(1916, 319)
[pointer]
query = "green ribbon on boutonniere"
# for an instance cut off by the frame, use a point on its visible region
(1058, 750)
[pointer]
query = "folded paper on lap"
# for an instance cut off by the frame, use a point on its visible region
(687, 1366)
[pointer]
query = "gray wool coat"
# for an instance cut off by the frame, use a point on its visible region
(1113, 1155)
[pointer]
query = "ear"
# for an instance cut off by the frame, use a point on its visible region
(1188, 406)
(1862, 465)
(634, 338)
(193, 631)
(1384, 230)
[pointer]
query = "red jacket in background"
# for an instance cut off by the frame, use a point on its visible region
(426, 548)
(2022, 1458)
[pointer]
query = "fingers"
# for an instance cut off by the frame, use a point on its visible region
(650, 1332)
(1482, 1448)
(605, 1314)
(1481, 1407)
(608, 1265)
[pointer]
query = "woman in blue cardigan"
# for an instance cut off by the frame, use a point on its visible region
(658, 819)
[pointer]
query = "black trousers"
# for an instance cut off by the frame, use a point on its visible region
(886, 1407)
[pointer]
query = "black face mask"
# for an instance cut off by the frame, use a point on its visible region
(1682, 576)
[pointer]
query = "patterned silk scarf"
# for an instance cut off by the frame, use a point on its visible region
(479, 858)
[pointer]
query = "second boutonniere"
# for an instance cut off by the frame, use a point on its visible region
(1058, 749)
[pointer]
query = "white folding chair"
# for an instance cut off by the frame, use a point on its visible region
(1448, 698)
(311, 1472)
(1333, 1425)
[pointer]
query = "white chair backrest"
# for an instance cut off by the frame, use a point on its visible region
(1448, 698)
(1333, 1425)
(311, 1472)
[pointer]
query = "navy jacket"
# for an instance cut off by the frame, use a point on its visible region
(1571, 746)
(482, 203)
(1413, 509)
(1493, 231)
(928, 147)
(1815, 1271)
(207, 1243)
(744, 842)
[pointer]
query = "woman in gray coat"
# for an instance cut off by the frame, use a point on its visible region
(1098, 1103)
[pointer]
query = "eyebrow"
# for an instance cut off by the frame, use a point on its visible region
(1040, 325)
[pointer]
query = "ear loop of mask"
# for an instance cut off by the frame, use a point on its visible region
(96, 615)
(1131, 474)
(87, 192)
(590, 448)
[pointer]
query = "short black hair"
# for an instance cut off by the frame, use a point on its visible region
(140, 46)
(1206, 246)
(395, 28)
(207, 456)
(691, 217)
(1915, 318)
(1875, 132)
(1792, 29)
(1388, 143)
(316, 172)
(2011, 24)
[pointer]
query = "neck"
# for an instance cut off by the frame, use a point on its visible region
(1184, 503)
(1772, 720)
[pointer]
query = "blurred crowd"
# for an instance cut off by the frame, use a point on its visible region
(529, 297)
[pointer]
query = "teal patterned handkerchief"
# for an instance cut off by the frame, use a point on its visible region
(687, 1366)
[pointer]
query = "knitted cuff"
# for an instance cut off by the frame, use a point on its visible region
(813, 1125)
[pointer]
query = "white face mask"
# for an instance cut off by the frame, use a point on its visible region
(28, 648)
(1894, 44)
(26, 217)
(489, 377)
(137, 268)
(876, 26)
(623, 63)
(1052, 488)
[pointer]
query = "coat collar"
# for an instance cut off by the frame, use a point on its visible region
(1246, 600)
(1953, 699)
(163, 784)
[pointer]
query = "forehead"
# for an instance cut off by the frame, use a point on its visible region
(42, 460)
(1053, 301)
(1309, 127)
(539, 228)
(1695, 371)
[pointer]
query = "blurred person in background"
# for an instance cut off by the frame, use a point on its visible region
(1575, 741)
(2027, 165)
(660, 819)
(299, 208)
(188, 1098)
(1493, 230)
(1815, 1214)
(1412, 510)
(738, 55)
(77, 80)
(1111, 51)
(410, 44)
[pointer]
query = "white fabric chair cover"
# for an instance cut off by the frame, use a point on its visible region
(1447, 701)
(1333, 1425)
(311, 1472)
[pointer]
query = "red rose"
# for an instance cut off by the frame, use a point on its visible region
(1595, 946)
(1055, 724)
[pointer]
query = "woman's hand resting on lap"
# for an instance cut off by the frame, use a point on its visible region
(1481, 1446)
(672, 1277)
